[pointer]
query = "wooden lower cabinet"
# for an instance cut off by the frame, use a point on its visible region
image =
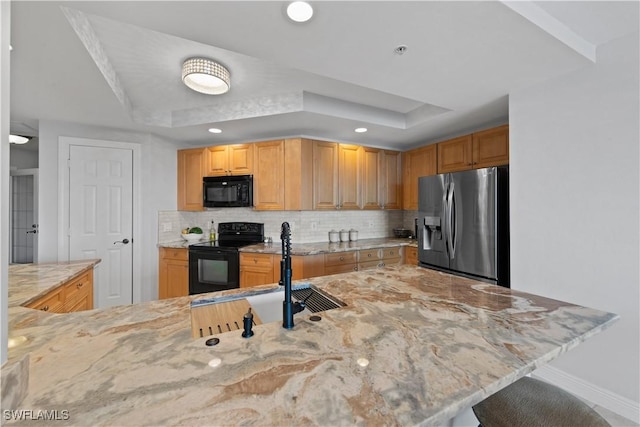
(411, 255)
(75, 295)
(261, 269)
(173, 273)
(256, 269)
(78, 293)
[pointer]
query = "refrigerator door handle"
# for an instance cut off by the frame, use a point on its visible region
(451, 221)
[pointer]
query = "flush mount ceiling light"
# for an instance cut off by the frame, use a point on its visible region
(205, 76)
(215, 130)
(360, 130)
(299, 11)
(17, 139)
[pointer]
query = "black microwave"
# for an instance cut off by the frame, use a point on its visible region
(227, 191)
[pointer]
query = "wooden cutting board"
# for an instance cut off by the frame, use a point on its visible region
(219, 318)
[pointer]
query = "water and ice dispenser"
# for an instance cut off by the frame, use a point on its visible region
(431, 231)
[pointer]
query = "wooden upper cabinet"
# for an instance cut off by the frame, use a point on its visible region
(381, 179)
(391, 181)
(234, 159)
(349, 177)
(191, 165)
(478, 150)
(372, 178)
(455, 154)
(325, 175)
(416, 163)
(491, 147)
(269, 175)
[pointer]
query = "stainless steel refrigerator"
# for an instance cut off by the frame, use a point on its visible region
(463, 223)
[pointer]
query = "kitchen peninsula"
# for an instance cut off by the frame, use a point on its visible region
(412, 346)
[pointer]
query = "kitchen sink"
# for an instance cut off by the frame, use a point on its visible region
(211, 316)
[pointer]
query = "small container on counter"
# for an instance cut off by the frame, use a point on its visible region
(344, 235)
(353, 235)
(334, 236)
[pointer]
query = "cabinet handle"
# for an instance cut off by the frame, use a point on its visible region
(255, 260)
(341, 258)
(369, 255)
(79, 285)
(355, 268)
(45, 308)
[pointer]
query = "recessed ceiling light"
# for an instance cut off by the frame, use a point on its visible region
(361, 130)
(299, 11)
(215, 130)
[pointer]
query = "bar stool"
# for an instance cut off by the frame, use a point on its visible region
(531, 402)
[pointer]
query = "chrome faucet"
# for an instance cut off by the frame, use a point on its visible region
(289, 308)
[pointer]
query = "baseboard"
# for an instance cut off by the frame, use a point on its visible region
(587, 391)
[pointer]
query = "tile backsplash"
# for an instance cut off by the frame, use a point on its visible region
(306, 226)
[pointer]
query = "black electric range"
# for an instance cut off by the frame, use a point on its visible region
(215, 266)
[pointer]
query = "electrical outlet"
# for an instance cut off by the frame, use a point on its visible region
(166, 226)
(314, 225)
(370, 224)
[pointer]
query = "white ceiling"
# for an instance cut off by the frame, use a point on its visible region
(118, 64)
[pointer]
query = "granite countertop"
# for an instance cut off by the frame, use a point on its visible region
(312, 248)
(435, 345)
(28, 282)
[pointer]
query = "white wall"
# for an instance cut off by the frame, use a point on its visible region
(574, 205)
(21, 158)
(159, 169)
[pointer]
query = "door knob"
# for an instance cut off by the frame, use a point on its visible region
(123, 241)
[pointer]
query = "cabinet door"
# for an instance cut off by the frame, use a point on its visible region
(491, 147)
(190, 173)
(455, 155)
(391, 180)
(240, 159)
(218, 161)
(411, 255)
(349, 177)
(173, 274)
(417, 163)
(256, 269)
(325, 175)
(372, 185)
(268, 182)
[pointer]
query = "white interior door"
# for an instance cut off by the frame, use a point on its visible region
(101, 218)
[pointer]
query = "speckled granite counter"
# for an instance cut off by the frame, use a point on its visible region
(28, 282)
(435, 343)
(313, 248)
(326, 247)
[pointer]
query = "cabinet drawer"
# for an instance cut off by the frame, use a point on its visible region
(52, 302)
(340, 258)
(369, 255)
(391, 253)
(256, 260)
(366, 265)
(174, 253)
(76, 291)
(344, 268)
